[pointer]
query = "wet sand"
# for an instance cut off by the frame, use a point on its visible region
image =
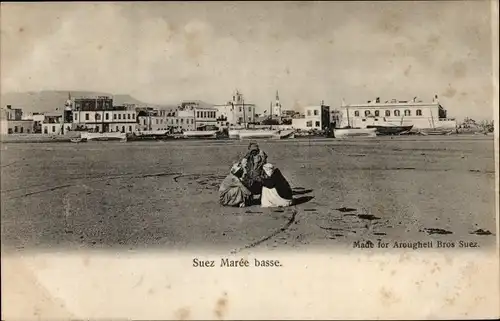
(164, 195)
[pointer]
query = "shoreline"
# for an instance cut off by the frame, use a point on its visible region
(36, 138)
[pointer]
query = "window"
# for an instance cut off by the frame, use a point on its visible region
(177, 121)
(130, 128)
(21, 129)
(363, 119)
(53, 129)
(97, 129)
(250, 109)
(15, 129)
(197, 114)
(114, 116)
(119, 116)
(192, 121)
(377, 113)
(86, 116)
(240, 109)
(128, 116)
(407, 112)
(376, 119)
(315, 112)
(76, 116)
(182, 120)
(117, 129)
(356, 113)
(367, 112)
(309, 123)
(396, 112)
(45, 130)
(309, 113)
(28, 130)
(388, 113)
(157, 121)
(317, 123)
(419, 112)
(133, 115)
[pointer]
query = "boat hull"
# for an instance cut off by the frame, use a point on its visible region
(104, 136)
(200, 134)
(355, 132)
(256, 134)
(151, 133)
(391, 130)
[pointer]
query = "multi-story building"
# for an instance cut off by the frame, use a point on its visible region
(417, 113)
(236, 111)
(99, 115)
(55, 124)
(12, 122)
(204, 115)
(315, 117)
(171, 120)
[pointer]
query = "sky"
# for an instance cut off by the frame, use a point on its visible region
(309, 51)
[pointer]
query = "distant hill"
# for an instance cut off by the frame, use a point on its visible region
(46, 101)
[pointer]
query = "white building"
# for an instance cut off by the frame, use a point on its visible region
(396, 113)
(235, 112)
(53, 124)
(106, 120)
(99, 115)
(314, 117)
(13, 122)
(175, 120)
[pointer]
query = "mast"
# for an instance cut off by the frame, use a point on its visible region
(271, 114)
(244, 115)
(348, 120)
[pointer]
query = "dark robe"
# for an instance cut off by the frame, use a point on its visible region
(254, 172)
(279, 182)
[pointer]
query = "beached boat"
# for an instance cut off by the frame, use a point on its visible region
(437, 131)
(78, 140)
(391, 130)
(352, 132)
(258, 133)
(151, 133)
(200, 134)
(104, 136)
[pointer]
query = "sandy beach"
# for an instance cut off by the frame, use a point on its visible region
(139, 195)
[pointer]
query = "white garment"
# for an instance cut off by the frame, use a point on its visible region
(271, 198)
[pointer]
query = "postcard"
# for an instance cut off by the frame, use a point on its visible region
(249, 160)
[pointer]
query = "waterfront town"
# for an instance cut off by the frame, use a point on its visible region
(99, 115)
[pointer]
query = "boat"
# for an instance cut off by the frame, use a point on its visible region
(151, 133)
(78, 140)
(104, 136)
(258, 133)
(391, 130)
(437, 131)
(352, 132)
(285, 134)
(200, 134)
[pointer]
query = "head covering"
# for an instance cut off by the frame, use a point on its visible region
(268, 168)
(253, 146)
(236, 168)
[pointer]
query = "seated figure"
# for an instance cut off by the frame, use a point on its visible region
(232, 192)
(276, 192)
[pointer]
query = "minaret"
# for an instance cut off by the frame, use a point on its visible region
(277, 105)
